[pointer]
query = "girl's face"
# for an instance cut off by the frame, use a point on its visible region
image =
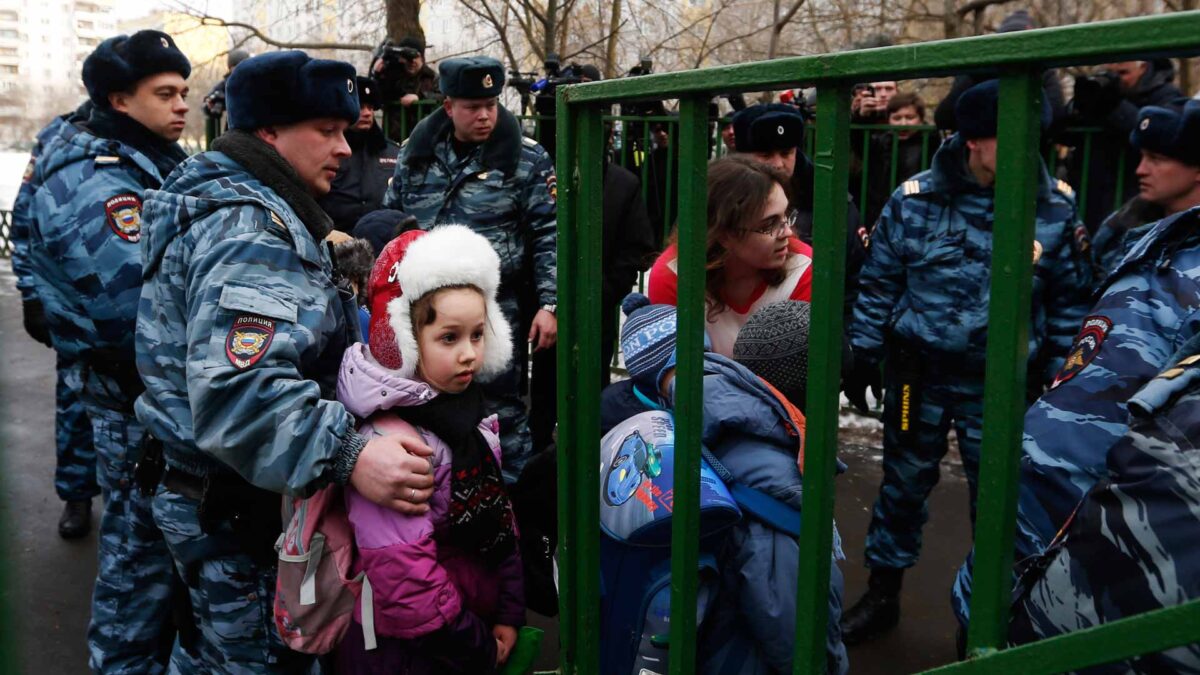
(451, 348)
(762, 243)
(904, 117)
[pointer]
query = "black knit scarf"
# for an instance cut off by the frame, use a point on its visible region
(481, 515)
(267, 165)
(108, 123)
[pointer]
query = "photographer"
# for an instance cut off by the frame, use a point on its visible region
(214, 101)
(1110, 100)
(403, 77)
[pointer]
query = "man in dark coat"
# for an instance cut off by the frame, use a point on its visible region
(1111, 100)
(362, 178)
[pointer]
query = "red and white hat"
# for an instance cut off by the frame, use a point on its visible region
(416, 263)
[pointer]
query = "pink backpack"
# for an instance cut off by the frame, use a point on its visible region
(316, 588)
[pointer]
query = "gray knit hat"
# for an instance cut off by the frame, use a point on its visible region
(774, 345)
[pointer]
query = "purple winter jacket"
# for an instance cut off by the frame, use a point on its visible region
(435, 604)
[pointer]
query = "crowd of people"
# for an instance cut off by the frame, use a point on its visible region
(310, 314)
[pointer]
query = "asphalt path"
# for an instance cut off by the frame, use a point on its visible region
(48, 583)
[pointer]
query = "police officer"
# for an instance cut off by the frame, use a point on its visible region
(362, 178)
(773, 133)
(1168, 182)
(241, 329)
(922, 310)
(84, 234)
(1148, 307)
(75, 456)
(468, 163)
(1131, 545)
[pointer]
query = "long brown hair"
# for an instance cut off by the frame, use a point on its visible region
(738, 190)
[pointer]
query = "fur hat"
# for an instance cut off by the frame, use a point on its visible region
(368, 92)
(977, 111)
(444, 256)
(1172, 130)
(119, 62)
(471, 77)
(768, 126)
(279, 88)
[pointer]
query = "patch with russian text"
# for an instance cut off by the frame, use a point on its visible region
(1085, 348)
(552, 186)
(248, 340)
(124, 214)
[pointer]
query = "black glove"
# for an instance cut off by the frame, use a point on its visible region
(1097, 95)
(859, 374)
(35, 321)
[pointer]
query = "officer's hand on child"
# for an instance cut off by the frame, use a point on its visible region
(506, 639)
(544, 332)
(395, 471)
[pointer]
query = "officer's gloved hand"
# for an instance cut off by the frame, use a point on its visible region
(858, 375)
(1097, 95)
(35, 321)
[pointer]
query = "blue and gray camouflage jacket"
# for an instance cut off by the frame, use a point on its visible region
(927, 274)
(240, 333)
(84, 230)
(1149, 307)
(504, 190)
(1131, 545)
(22, 210)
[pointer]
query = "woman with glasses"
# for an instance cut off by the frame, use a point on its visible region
(752, 257)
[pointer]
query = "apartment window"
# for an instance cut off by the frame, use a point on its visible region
(9, 70)
(8, 33)
(9, 51)
(8, 15)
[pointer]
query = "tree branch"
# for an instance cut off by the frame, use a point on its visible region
(207, 20)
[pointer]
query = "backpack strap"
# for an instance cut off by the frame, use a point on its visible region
(368, 612)
(757, 503)
(308, 586)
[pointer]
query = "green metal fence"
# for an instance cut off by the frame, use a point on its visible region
(1020, 58)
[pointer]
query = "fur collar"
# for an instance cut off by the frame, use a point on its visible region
(500, 152)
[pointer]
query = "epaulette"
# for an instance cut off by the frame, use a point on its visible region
(911, 187)
(1064, 187)
(1180, 368)
(528, 141)
(102, 160)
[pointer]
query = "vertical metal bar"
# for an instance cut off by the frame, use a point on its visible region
(1085, 173)
(832, 161)
(1017, 170)
(685, 522)
(895, 158)
(586, 488)
(568, 373)
(866, 161)
(925, 150)
(671, 179)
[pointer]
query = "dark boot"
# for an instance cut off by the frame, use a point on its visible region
(76, 519)
(878, 610)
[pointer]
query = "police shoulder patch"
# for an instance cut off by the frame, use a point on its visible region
(248, 340)
(1085, 348)
(552, 186)
(29, 169)
(1083, 240)
(912, 187)
(124, 215)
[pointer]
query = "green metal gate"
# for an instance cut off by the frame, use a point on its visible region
(1019, 58)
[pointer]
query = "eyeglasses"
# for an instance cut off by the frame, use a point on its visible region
(777, 225)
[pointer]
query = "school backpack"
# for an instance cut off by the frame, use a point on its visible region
(636, 503)
(316, 588)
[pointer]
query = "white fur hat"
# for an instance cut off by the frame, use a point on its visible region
(447, 256)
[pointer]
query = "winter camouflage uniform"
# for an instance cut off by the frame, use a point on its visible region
(504, 190)
(83, 255)
(1131, 545)
(1149, 307)
(75, 455)
(241, 331)
(924, 300)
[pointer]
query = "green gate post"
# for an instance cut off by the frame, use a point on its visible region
(1018, 168)
(831, 158)
(689, 389)
(580, 244)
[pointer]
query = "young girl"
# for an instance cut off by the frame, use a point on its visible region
(753, 257)
(447, 585)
